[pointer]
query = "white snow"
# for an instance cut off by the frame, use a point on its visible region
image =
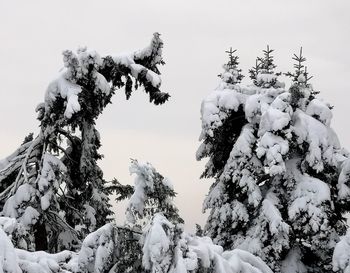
(341, 254)
(273, 215)
(156, 244)
(96, 252)
(321, 139)
(308, 197)
(65, 89)
(320, 111)
(215, 108)
(273, 148)
(343, 180)
(143, 185)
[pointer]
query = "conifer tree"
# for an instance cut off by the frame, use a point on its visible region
(166, 247)
(52, 184)
(282, 183)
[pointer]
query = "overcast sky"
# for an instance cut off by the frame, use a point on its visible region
(196, 34)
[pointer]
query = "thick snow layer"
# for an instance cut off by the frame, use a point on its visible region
(8, 224)
(14, 205)
(273, 148)
(234, 261)
(156, 244)
(8, 257)
(215, 108)
(341, 255)
(273, 120)
(96, 252)
(42, 262)
(308, 197)
(192, 253)
(61, 87)
(273, 215)
(18, 261)
(320, 111)
(321, 140)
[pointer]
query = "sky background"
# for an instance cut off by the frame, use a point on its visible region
(196, 35)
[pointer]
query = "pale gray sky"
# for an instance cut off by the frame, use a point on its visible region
(196, 34)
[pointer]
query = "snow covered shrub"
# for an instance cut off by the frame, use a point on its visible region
(281, 177)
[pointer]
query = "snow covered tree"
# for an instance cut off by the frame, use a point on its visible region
(153, 193)
(162, 246)
(52, 184)
(166, 247)
(281, 177)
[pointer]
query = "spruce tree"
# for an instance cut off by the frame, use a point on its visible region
(52, 184)
(281, 177)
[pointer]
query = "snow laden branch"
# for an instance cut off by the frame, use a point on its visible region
(52, 184)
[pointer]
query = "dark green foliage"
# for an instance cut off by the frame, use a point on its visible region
(122, 191)
(222, 142)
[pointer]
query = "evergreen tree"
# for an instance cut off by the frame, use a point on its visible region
(281, 177)
(52, 183)
(232, 73)
(262, 73)
(161, 247)
(166, 247)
